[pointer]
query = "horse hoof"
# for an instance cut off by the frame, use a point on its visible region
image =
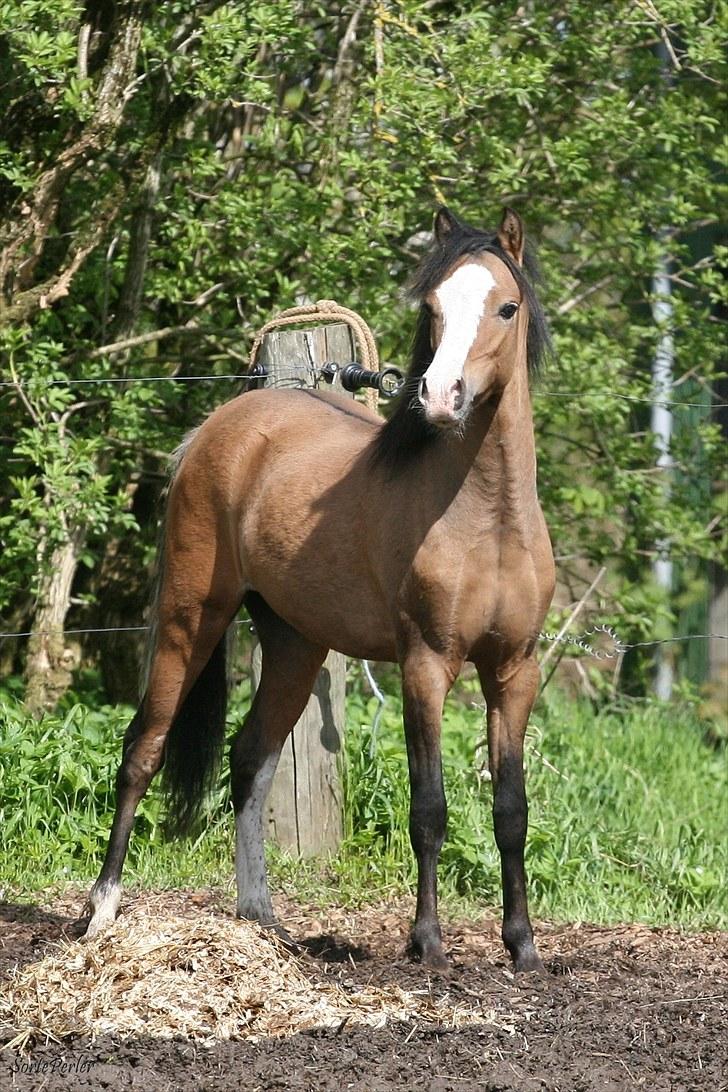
(285, 938)
(430, 954)
(528, 961)
(98, 924)
(436, 961)
(103, 905)
(266, 920)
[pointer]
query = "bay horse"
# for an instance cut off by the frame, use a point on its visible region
(418, 541)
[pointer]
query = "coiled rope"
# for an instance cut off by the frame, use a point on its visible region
(327, 311)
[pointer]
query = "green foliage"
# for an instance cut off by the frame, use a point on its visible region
(627, 816)
(69, 479)
(58, 796)
(56, 778)
(301, 152)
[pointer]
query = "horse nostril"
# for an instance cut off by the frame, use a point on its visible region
(459, 389)
(422, 389)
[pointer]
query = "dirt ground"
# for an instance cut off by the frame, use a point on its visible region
(621, 1008)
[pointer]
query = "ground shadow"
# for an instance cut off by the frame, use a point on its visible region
(334, 949)
(31, 914)
(27, 929)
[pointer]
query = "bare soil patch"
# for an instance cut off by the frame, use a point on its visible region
(621, 1008)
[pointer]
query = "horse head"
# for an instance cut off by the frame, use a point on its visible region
(479, 319)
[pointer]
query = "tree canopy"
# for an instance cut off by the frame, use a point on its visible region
(171, 175)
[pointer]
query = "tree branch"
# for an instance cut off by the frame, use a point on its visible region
(25, 239)
(574, 301)
(141, 339)
(44, 295)
(140, 231)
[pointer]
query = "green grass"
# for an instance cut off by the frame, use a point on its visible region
(627, 822)
(57, 800)
(628, 816)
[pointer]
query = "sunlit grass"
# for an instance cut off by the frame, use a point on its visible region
(627, 813)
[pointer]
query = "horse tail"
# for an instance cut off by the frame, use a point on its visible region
(194, 744)
(193, 747)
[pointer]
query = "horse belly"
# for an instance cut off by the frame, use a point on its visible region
(329, 611)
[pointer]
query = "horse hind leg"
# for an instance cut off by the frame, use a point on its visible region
(186, 692)
(105, 896)
(290, 665)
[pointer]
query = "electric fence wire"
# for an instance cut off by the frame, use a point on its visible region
(580, 641)
(296, 375)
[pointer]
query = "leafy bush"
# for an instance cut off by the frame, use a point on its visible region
(283, 176)
(57, 798)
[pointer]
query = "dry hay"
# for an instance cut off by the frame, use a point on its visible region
(203, 979)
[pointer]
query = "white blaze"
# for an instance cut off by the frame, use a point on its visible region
(462, 302)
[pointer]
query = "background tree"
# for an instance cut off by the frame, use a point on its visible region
(171, 174)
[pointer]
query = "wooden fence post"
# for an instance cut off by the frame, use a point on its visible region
(304, 809)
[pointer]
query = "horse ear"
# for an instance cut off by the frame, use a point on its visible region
(511, 235)
(444, 224)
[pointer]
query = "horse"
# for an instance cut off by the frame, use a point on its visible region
(419, 540)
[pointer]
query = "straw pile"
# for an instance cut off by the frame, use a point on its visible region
(204, 978)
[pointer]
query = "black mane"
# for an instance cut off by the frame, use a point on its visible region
(407, 432)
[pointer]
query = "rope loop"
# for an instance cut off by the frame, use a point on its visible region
(323, 311)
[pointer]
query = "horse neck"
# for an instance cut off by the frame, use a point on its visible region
(500, 454)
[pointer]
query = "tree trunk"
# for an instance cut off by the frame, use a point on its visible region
(140, 233)
(50, 662)
(23, 236)
(661, 419)
(123, 585)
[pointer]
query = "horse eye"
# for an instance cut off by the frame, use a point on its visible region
(508, 310)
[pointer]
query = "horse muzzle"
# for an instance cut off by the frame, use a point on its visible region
(446, 407)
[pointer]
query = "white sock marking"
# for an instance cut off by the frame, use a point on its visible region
(105, 901)
(253, 895)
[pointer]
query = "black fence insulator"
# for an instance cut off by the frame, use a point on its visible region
(388, 382)
(256, 377)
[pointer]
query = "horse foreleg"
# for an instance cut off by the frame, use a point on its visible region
(425, 683)
(290, 665)
(509, 703)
